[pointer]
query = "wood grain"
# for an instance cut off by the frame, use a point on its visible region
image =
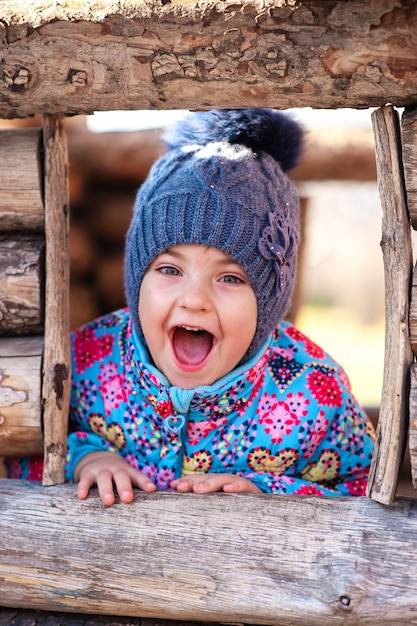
(397, 257)
(20, 396)
(413, 311)
(21, 203)
(57, 359)
(409, 143)
(75, 57)
(225, 558)
(21, 284)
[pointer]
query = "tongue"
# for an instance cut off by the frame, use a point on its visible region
(191, 347)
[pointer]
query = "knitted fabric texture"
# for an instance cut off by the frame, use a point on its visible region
(225, 194)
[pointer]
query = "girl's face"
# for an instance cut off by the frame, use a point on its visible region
(198, 314)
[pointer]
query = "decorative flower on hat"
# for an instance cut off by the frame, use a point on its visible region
(278, 244)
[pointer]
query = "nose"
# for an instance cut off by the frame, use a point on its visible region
(196, 295)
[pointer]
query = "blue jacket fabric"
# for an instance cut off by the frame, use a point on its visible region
(286, 420)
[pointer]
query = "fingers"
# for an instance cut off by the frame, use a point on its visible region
(241, 486)
(182, 484)
(122, 481)
(83, 488)
(142, 482)
(123, 486)
(104, 483)
(115, 477)
(213, 482)
(105, 487)
(208, 483)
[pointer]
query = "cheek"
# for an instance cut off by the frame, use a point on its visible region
(243, 321)
(251, 320)
(145, 308)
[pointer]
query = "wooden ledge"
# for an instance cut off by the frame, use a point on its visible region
(75, 57)
(220, 558)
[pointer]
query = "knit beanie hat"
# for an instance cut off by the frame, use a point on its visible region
(223, 183)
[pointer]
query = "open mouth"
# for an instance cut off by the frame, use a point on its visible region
(191, 345)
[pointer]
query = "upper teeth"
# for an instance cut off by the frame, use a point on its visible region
(195, 330)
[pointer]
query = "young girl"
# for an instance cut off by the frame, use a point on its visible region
(200, 385)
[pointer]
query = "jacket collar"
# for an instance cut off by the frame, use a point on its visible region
(226, 395)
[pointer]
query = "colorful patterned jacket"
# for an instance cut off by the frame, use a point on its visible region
(286, 420)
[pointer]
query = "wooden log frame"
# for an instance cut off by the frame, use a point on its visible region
(217, 558)
(413, 424)
(398, 267)
(409, 142)
(69, 58)
(221, 558)
(56, 358)
(25, 281)
(409, 132)
(22, 278)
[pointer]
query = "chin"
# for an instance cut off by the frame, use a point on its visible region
(190, 382)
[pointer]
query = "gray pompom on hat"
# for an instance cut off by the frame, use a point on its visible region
(223, 183)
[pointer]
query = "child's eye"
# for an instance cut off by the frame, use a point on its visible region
(230, 278)
(169, 270)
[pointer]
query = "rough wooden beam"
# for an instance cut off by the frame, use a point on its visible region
(409, 142)
(413, 424)
(66, 58)
(57, 358)
(220, 558)
(398, 267)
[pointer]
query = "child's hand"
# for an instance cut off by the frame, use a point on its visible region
(106, 470)
(207, 483)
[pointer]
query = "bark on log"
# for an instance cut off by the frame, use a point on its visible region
(57, 359)
(222, 557)
(409, 141)
(413, 313)
(21, 204)
(21, 284)
(20, 396)
(398, 264)
(413, 424)
(61, 59)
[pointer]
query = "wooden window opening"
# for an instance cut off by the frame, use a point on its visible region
(223, 558)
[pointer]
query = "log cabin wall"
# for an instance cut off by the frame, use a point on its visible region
(34, 294)
(22, 281)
